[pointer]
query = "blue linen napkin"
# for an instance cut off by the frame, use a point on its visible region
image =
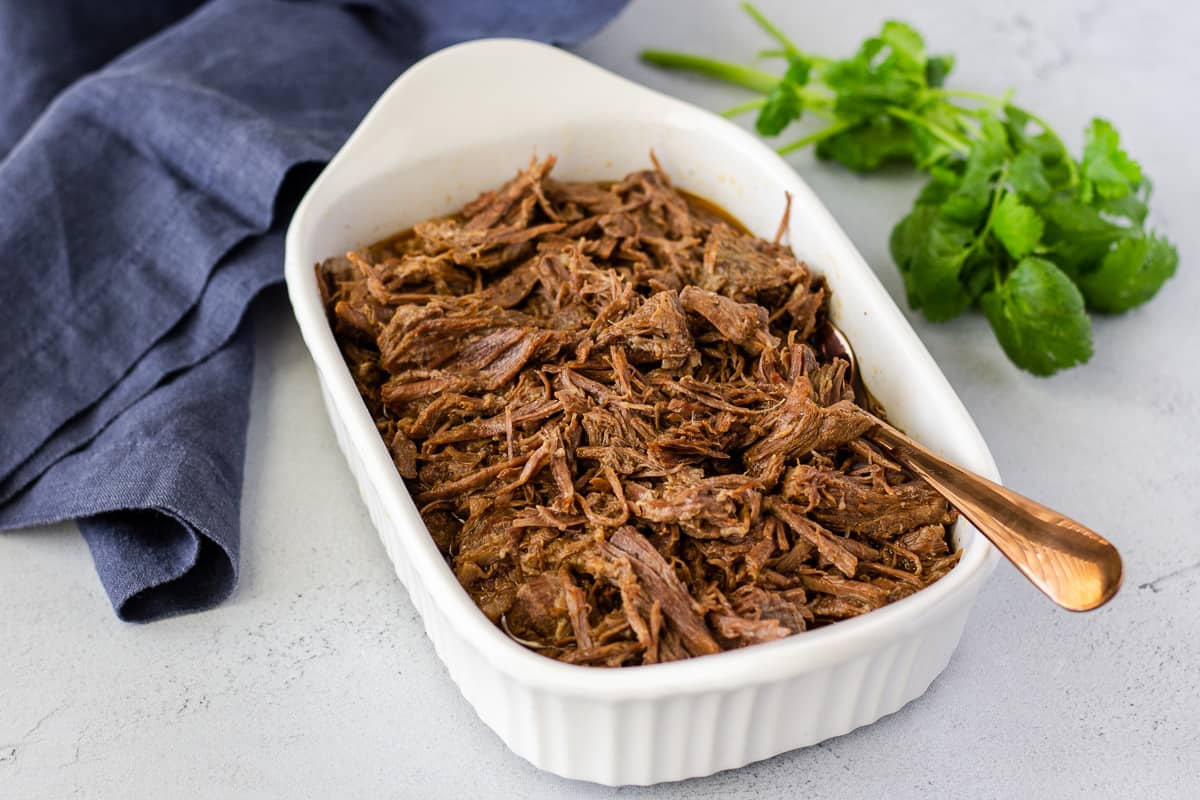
(152, 152)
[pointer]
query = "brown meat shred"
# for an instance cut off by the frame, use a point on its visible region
(603, 398)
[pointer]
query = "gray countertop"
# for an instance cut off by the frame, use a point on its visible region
(316, 679)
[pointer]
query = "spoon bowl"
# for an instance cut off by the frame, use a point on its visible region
(1071, 564)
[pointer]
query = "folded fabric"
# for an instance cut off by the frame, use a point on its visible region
(140, 214)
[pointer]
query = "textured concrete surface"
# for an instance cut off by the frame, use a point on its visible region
(315, 679)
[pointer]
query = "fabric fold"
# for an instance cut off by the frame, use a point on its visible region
(159, 488)
(239, 277)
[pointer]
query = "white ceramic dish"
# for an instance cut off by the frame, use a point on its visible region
(462, 121)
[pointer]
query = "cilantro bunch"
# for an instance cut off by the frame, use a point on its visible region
(1009, 222)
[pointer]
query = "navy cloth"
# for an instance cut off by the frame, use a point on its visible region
(151, 153)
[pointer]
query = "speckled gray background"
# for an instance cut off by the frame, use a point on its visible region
(315, 679)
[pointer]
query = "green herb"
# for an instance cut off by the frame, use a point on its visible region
(1038, 316)
(1010, 222)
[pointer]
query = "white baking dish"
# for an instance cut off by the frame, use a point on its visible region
(464, 120)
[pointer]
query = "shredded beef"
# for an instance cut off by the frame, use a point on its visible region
(604, 400)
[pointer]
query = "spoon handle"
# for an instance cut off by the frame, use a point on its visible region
(1074, 566)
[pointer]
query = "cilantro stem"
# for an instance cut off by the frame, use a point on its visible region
(746, 77)
(817, 61)
(789, 47)
(742, 108)
(817, 103)
(812, 103)
(952, 141)
(812, 138)
(987, 224)
(968, 122)
(968, 95)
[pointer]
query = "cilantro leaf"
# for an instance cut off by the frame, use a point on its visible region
(979, 271)
(783, 106)
(992, 146)
(1130, 274)
(1078, 236)
(1056, 161)
(1107, 169)
(943, 175)
(888, 70)
(863, 90)
(984, 163)
(940, 187)
(908, 48)
(936, 268)
(1027, 176)
(909, 233)
(1039, 318)
(799, 69)
(1016, 226)
(1133, 207)
(969, 202)
(906, 241)
(868, 146)
(937, 68)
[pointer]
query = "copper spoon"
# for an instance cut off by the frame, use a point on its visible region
(1072, 565)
